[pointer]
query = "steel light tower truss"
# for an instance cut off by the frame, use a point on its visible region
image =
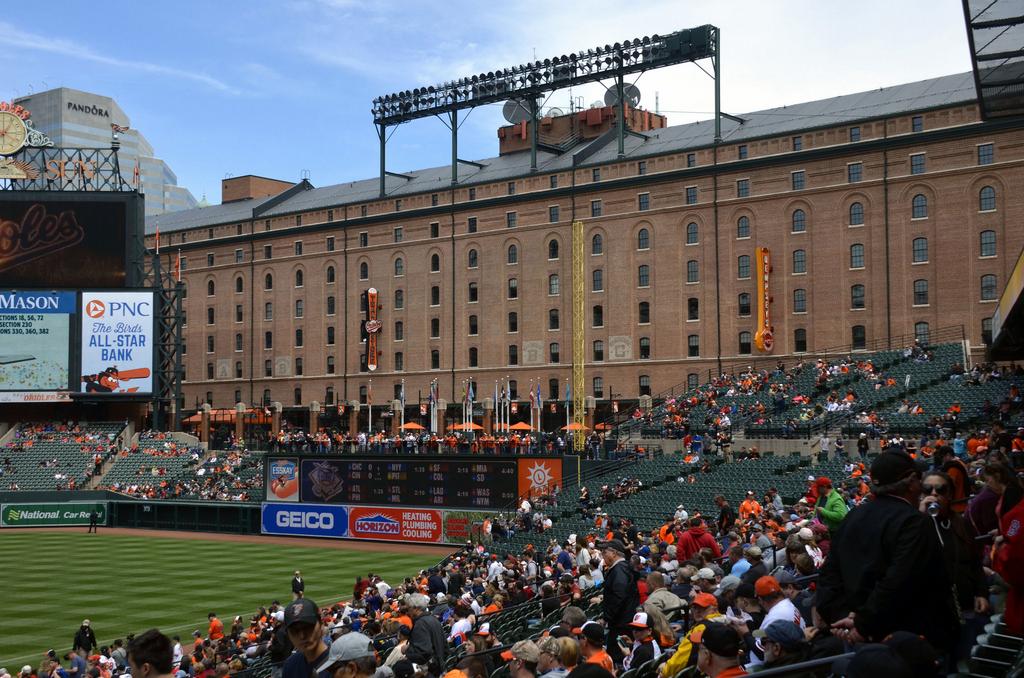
(528, 82)
(579, 343)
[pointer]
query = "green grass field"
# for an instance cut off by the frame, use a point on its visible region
(124, 584)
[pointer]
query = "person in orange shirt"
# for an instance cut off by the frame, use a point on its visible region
(750, 508)
(216, 630)
(591, 637)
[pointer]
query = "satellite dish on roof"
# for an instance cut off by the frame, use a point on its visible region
(630, 93)
(555, 112)
(516, 110)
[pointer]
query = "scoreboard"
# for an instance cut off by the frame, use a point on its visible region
(429, 481)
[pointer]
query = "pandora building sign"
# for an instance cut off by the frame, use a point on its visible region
(88, 108)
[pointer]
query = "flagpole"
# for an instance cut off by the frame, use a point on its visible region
(402, 420)
(370, 403)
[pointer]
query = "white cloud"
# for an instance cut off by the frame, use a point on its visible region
(12, 36)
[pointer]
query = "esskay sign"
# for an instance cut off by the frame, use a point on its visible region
(51, 515)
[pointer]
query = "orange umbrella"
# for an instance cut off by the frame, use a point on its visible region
(471, 426)
(521, 426)
(603, 427)
(574, 427)
(412, 426)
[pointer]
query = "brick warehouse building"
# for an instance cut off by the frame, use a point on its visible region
(886, 212)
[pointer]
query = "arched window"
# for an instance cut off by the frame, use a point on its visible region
(919, 250)
(299, 278)
(692, 309)
(743, 227)
(921, 333)
(330, 275)
(920, 292)
(435, 295)
(474, 325)
(298, 396)
(988, 287)
(513, 354)
(987, 199)
(210, 288)
(513, 321)
(513, 255)
(597, 283)
(598, 315)
(472, 259)
(644, 312)
(799, 221)
(693, 346)
(743, 266)
(800, 340)
(645, 384)
(856, 255)
(399, 330)
(856, 214)
(239, 284)
(299, 337)
(268, 282)
(209, 316)
(597, 244)
(554, 352)
(643, 239)
(692, 271)
(399, 267)
(643, 276)
(988, 243)
(858, 337)
(330, 305)
(598, 387)
(919, 207)
(513, 288)
(435, 359)
(799, 261)
(435, 263)
(799, 300)
(554, 286)
(743, 303)
(268, 311)
(553, 319)
(692, 233)
(300, 308)
(473, 356)
(364, 271)
(744, 347)
(598, 351)
(399, 299)
(645, 348)
(857, 297)
(553, 249)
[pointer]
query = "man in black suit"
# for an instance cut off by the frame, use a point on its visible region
(94, 521)
(298, 585)
(621, 596)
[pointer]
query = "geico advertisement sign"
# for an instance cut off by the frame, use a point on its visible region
(305, 520)
(422, 525)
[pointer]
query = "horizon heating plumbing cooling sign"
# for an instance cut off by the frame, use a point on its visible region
(117, 342)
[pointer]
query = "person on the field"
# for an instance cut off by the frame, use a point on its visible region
(85, 639)
(94, 521)
(298, 585)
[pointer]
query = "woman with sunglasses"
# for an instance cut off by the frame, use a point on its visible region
(961, 557)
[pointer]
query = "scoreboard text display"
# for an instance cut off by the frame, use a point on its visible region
(428, 481)
(35, 343)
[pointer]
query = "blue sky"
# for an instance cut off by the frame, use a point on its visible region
(276, 88)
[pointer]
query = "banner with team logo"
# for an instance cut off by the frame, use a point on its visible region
(117, 342)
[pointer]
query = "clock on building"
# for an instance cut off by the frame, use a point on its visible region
(13, 133)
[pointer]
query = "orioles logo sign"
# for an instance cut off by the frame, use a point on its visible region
(37, 235)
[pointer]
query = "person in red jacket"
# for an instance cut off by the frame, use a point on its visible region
(694, 539)
(1009, 563)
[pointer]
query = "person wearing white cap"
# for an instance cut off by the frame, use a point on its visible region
(681, 515)
(85, 639)
(644, 647)
(350, 656)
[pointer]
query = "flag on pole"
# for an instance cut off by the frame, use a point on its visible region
(540, 398)
(369, 394)
(568, 394)
(158, 240)
(464, 399)
(533, 399)
(470, 396)
(177, 267)
(402, 398)
(496, 393)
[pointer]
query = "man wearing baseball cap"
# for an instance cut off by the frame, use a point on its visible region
(644, 648)
(621, 596)
(592, 638)
(522, 659)
(719, 653)
(350, 656)
(757, 568)
(782, 643)
(703, 611)
(830, 506)
(873, 582)
(306, 632)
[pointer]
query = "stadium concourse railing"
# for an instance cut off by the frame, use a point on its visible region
(622, 422)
